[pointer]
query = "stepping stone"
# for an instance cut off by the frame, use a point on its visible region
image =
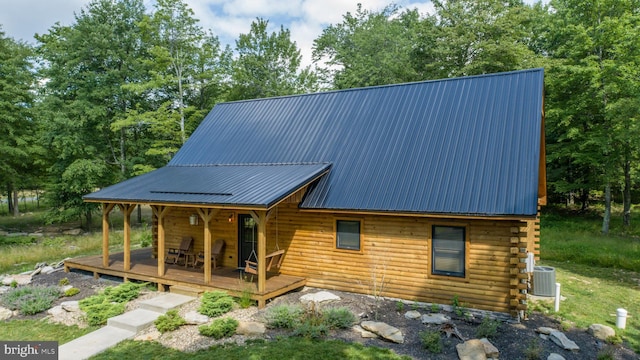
(384, 330)
(134, 321)
(164, 303)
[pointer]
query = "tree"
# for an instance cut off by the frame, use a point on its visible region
(593, 92)
(268, 65)
(370, 48)
(87, 68)
(16, 117)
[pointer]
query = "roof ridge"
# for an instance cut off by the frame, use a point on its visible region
(255, 164)
(387, 85)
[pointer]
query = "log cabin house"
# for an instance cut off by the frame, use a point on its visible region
(421, 191)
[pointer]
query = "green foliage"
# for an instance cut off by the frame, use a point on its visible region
(169, 321)
(338, 318)
(607, 353)
(63, 282)
(283, 316)
(29, 300)
(41, 330)
(488, 328)
(435, 308)
(71, 291)
(614, 340)
(219, 328)
(283, 348)
(13, 284)
(399, 306)
(311, 330)
(215, 303)
(245, 299)
(109, 303)
(534, 350)
(431, 341)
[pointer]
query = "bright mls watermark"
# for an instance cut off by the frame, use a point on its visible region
(32, 350)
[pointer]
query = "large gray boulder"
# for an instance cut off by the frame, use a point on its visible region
(384, 330)
(601, 332)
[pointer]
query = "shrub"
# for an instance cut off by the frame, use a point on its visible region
(399, 306)
(283, 316)
(72, 291)
(14, 284)
(431, 341)
(215, 303)
(169, 321)
(63, 282)
(533, 350)
(29, 300)
(339, 318)
(98, 314)
(488, 328)
(245, 299)
(124, 292)
(310, 329)
(219, 328)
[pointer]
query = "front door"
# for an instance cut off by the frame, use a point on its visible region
(248, 239)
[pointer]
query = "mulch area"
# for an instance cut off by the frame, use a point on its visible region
(514, 340)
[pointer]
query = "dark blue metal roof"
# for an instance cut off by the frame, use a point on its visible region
(468, 146)
(236, 185)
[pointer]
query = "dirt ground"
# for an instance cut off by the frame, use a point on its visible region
(512, 339)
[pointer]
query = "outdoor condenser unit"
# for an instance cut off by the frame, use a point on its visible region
(544, 281)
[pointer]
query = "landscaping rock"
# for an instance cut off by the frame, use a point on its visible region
(554, 356)
(73, 232)
(71, 306)
(601, 332)
(471, 350)
(412, 314)
(384, 330)
(436, 319)
(21, 279)
(66, 287)
(561, 340)
(195, 318)
(5, 313)
(319, 297)
(57, 311)
(47, 270)
(364, 333)
(489, 349)
(251, 328)
(545, 330)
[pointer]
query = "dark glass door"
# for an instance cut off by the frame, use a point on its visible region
(248, 239)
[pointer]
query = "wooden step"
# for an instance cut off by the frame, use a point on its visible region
(185, 290)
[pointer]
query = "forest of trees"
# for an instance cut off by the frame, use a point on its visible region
(116, 93)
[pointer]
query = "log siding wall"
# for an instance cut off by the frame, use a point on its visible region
(395, 255)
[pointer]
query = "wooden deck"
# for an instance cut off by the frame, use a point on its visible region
(145, 268)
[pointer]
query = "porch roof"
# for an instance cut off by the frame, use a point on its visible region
(237, 185)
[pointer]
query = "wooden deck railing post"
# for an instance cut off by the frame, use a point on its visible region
(127, 209)
(106, 209)
(260, 217)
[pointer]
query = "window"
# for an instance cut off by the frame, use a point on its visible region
(448, 250)
(348, 234)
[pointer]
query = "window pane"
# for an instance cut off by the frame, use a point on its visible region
(448, 250)
(348, 234)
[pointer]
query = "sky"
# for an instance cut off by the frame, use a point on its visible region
(21, 19)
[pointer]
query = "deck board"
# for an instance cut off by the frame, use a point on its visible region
(145, 268)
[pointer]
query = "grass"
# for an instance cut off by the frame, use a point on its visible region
(597, 273)
(284, 348)
(40, 330)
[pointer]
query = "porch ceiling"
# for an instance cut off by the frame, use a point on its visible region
(241, 185)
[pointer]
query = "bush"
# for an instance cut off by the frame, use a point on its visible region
(431, 341)
(169, 321)
(124, 292)
(310, 329)
(488, 328)
(63, 282)
(110, 302)
(215, 303)
(245, 299)
(98, 314)
(29, 300)
(219, 328)
(283, 316)
(339, 318)
(72, 291)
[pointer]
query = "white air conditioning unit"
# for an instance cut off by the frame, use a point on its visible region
(544, 281)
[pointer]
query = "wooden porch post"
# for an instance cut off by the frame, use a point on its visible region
(106, 209)
(127, 209)
(160, 212)
(207, 215)
(261, 218)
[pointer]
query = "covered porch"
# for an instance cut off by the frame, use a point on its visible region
(145, 268)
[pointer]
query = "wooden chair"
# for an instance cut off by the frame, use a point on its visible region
(175, 254)
(273, 259)
(216, 254)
